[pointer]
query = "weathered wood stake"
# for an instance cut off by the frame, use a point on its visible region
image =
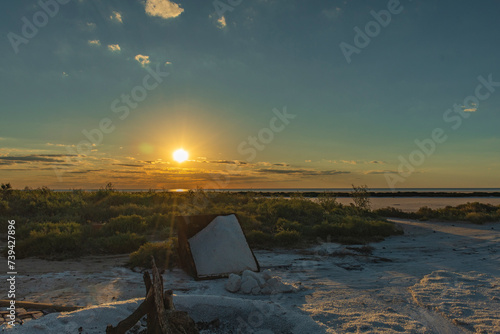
(162, 318)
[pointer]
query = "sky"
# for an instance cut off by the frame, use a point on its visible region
(261, 93)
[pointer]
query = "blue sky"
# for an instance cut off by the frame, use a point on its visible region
(354, 123)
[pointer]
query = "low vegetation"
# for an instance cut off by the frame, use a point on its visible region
(57, 225)
(475, 212)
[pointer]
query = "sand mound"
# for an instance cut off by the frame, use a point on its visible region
(470, 300)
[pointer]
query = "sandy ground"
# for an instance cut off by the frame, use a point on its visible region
(437, 278)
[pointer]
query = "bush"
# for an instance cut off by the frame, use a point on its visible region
(478, 217)
(125, 224)
(259, 239)
(361, 197)
(328, 202)
(288, 238)
(286, 225)
(395, 213)
(164, 253)
(56, 241)
(295, 209)
(159, 221)
(116, 244)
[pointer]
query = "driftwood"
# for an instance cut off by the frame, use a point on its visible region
(40, 306)
(162, 318)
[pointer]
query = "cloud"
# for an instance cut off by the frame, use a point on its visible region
(7, 160)
(221, 22)
(332, 13)
(114, 48)
(94, 42)
(85, 171)
(163, 8)
(87, 26)
(116, 17)
(143, 60)
(370, 172)
(129, 165)
(349, 162)
(471, 108)
(228, 162)
(301, 172)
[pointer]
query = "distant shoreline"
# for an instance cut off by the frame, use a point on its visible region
(344, 192)
(381, 194)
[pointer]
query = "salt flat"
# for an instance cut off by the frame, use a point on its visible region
(436, 278)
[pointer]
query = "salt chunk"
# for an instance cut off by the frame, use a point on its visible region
(267, 274)
(233, 283)
(256, 276)
(248, 283)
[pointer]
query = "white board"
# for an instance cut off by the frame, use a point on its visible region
(221, 248)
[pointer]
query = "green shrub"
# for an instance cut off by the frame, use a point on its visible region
(295, 209)
(164, 253)
(394, 212)
(259, 239)
(479, 217)
(328, 202)
(159, 221)
(4, 207)
(288, 238)
(124, 224)
(286, 225)
(361, 197)
(52, 242)
(116, 244)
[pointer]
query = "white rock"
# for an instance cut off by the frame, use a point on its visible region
(247, 285)
(233, 283)
(267, 274)
(256, 290)
(275, 285)
(266, 290)
(256, 276)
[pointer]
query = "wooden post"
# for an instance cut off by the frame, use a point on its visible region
(160, 310)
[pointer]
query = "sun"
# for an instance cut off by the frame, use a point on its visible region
(181, 155)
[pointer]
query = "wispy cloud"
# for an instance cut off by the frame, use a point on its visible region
(471, 108)
(228, 162)
(34, 158)
(163, 8)
(114, 48)
(94, 42)
(375, 172)
(87, 26)
(302, 172)
(142, 59)
(116, 17)
(332, 13)
(221, 22)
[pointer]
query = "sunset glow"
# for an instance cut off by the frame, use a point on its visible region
(181, 155)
